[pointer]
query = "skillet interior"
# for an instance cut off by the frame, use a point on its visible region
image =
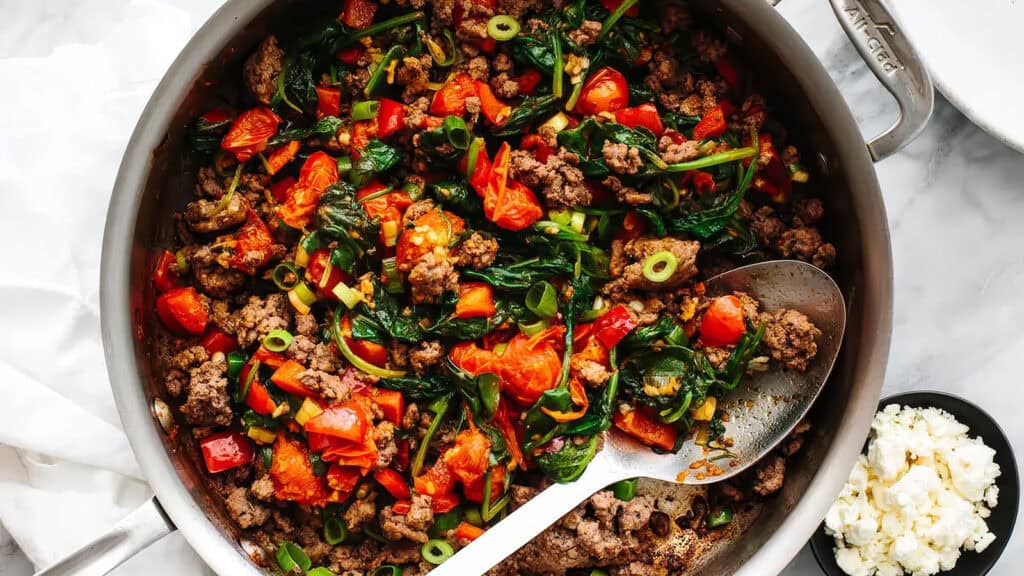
(818, 120)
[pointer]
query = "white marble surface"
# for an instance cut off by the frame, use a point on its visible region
(955, 201)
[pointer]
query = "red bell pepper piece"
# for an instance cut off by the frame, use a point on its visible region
(279, 189)
(444, 503)
(641, 424)
(711, 125)
(267, 358)
(350, 55)
(249, 133)
(402, 507)
(437, 480)
(703, 182)
(165, 276)
(286, 377)
(258, 398)
(318, 266)
(346, 421)
(359, 14)
(182, 311)
(323, 442)
(468, 457)
(394, 483)
(605, 91)
(534, 142)
(292, 474)
(318, 172)
(645, 115)
(390, 402)
(481, 172)
(611, 5)
(343, 478)
(450, 99)
(528, 81)
(614, 325)
(727, 69)
(723, 323)
(280, 157)
(216, 341)
(390, 117)
(217, 116)
(468, 532)
(476, 300)
(493, 109)
(328, 101)
(362, 455)
(226, 450)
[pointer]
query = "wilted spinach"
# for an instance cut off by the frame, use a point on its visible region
(340, 217)
(529, 111)
(325, 126)
(568, 463)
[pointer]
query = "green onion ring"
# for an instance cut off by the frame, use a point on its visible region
(365, 110)
(277, 340)
(290, 555)
(472, 154)
(437, 551)
(181, 262)
(665, 260)
(305, 293)
(533, 328)
(502, 27)
(472, 516)
(457, 132)
(344, 165)
(542, 299)
(387, 570)
(280, 276)
(320, 571)
(236, 360)
(335, 531)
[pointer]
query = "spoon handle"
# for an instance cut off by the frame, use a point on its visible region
(529, 520)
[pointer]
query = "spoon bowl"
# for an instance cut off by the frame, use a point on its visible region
(762, 410)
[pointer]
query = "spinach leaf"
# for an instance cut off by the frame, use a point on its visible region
(522, 274)
(529, 111)
(535, 51)
(646, 336)
(475, 328)
(679, 122)
(418, 388)
(568, 463)
(740, 358)
(389, 317)
(204, 137)
(383, 156)
(325, 126)
(456, 196)
(587, 141)
(434, 143)
(707, 222)
(299, 83)
(342, 218)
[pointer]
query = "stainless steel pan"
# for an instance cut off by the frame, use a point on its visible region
(150, 186)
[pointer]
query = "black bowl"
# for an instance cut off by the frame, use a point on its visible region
(1003, 515)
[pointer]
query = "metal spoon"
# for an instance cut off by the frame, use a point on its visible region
(762, 410)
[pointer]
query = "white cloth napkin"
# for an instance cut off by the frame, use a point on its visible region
(76, 76)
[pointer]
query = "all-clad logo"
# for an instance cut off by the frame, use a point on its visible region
(876, 44)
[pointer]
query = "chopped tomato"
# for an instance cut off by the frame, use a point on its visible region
(217, 116)
(378, 206)
(467, 457)
(481, 172)
(280, 157)
(280, 188)
(611, 5)
(503, 419)
(328, 101)
(350, 55)
(251, 246)
(394, 483)
(437, 480)
(723, 323)
(343, 478)
(361, 455)
(292, 474)
(676, 137)
(318, 172)
(711, 125)
(258, 398)
(529, 366)
(319, 266)
(345, 421)
(368, 350)
(473, 359)
(429, 232)
(216, 341)
(450, 99)
(268, 358)
(359, 14)
(475, 492)
(614, 325)
(226, 450)
(703, 182)
(773, 179)
(536, 144)
(493, 109)
(468, 532)
(476, 300)
(645, 115)
(249, 133)
(640, 424)
(390, 402)
(165, 276)
(605, 91)
(528, 81)
(402, 507)
(444, 503)
(401, 459)
(182, 311)
(390, 117)
(508, 203)
(286, 377)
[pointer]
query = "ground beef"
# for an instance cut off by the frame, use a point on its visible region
(259, 316)
(718, 356)
(262, 69)
(211, 277)
(180, 366)
(804, 243)
(360, 512)
(417, 209)
(411, 526)
(517, 8)
(709, 47)
(414, 75)
(636, 251)
(384, 438)
(244, 512)
(648, 308)
(478, 68)
(559, 180)
(673, 153)
(444, 11)
(765, 226)
(263, 488)
(327, 385)
(750, 116)
(621, 159)
(505, 86)
(431, 277)
(627, 194)
(477, 251)
(790, 337)
(770, 472)
(325, 358)
(208, 403)
(398, 355)
(208, 184)
(425, 356)
(675, 16)
(590, 372)
(587, 33)
(208, 216)
(306, 324)
(795, 440)
(808, 212)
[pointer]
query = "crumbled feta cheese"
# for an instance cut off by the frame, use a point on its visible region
(920, 494)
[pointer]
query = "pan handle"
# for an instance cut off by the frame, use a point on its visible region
(144, 526)
(887, 51)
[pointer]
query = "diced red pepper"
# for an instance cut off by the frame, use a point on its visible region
(528, 81)
(390, 402)
(394, 483)
(467, 458)
(727, 69)
(217, 116)
(450, 99)
(641, 424)
(645, 115)
(328, 101)
(536, 144)
(216, 341)
(475, 492)
(165, 276)
(279, 157)
(402, 507)
(437, 480)
(182, 311)
(318, 172)
(444, 503)
(286, 377)
(481, 172)
(267, 358)
(249, 133)
(343, 478)
(468, 532)
(614, 325)
(279, 189)
(711, 125)
(258, 398)
(401, 459)
(319, 264)
(346, 421)
(323, 442)
(350, 55)
(476, 300)
(390, 117)
(292, 474)
(703, 182)
(611, 5)
(493, 109)
(226, 450)
(605, 91)
(359, 14)
(723, 323)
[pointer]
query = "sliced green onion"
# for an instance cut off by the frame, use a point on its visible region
(307, 245)
(387, 570)
(353, 358)
(335, 531)
(668, 195)
(561, 215)
(533, 328)
(488, 510)
(606, 27)
(598, 572)
(362, 171)
(437, 551)
(713, 160)
(559, 68)
(542, 299)
(625, 490)
(181, 262)
(438, 408)
(563, 232)
(226, 199)
(344, 165)
(393, 53)
(720, 518)
(350, 297)
(365, 110)
(574, 96)
(290, 555)
(243, 388)
(353, 36)
(472, 154)
(502, 27)
(577, 220)
(320, 571)
(236, 360)
(473, 517)
(437, 52)
(457, 132)
(285, 276)
(277, 340)
(392, 277)
(660, 266)
(305, 293)
(267, 455)
(593, 314)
